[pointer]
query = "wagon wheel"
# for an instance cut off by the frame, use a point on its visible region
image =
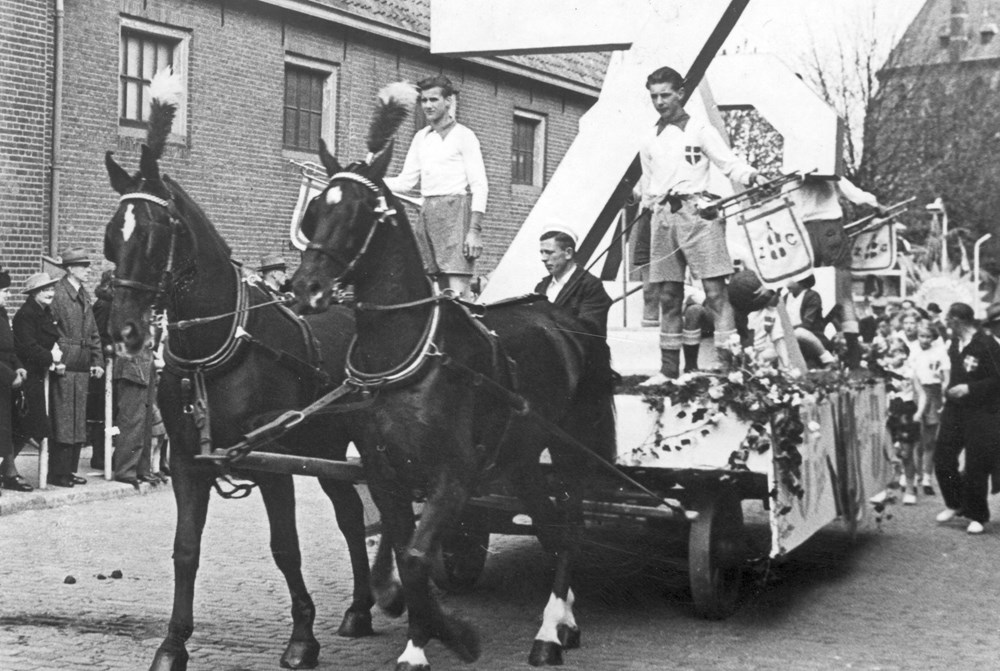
(716, 551)
(464, 548)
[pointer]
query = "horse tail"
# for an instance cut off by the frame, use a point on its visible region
(165, 91)
(393, 106)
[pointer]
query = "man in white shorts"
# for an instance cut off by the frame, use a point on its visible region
(675, 162)
(446, 162)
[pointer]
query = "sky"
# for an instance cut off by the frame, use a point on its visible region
(791, 28)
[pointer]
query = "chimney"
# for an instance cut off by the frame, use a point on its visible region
(959, 38)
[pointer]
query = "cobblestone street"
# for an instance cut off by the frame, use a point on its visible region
(902, 599)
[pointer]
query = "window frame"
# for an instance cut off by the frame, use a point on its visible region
(181, 40)
(539, 149)
(328, 116)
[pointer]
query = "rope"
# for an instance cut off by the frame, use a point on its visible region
(184, 324)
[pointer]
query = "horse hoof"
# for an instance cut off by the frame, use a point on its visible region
(406, 666)
(545, 653)
(168, 660)
(391, 601)
(461, 638)
(569, 636)
(356, 625)
(301, 655)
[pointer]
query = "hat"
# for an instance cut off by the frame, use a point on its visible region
(934, 308)
(747, 293)
(74, 257)
(962, 311)
(38, 281)
(272, 262)
(556, 227)
(992, 315)
(4, 279)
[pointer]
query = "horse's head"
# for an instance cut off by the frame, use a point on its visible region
(340, 223)
(142, 241)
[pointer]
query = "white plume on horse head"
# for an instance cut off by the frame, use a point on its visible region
(394, 104)
(166, 87)
(402, 93)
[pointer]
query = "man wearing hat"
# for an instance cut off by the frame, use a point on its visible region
(569, 285)
(970, 419)
(80, 343)
(273, 272)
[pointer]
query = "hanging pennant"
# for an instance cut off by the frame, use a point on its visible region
(779, 244)
(874, 248)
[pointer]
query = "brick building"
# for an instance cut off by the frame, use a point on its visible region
(932, 130)
(264, 80)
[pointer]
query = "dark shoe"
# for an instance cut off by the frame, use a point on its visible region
(129, 481)
(78, 480)
(62, 481)
(162, 477)
(928, 490)
(16, 483)
(151, 479)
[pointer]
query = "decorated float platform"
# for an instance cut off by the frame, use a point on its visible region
(795, 451)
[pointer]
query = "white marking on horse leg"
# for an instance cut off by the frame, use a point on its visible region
(129, 226)
(553, 616)
(568, 619)
(413, 656)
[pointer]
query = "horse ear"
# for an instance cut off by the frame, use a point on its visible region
(380, 163)
(328, 160)
(148, 166)
(121, 181)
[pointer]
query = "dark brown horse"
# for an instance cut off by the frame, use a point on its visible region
(166, 250)
(462, 400)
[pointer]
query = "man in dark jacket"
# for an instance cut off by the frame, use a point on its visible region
(571, 286)
(971, 417)
(81, 347)
(12, 376)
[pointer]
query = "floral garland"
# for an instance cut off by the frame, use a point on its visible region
(767, 397)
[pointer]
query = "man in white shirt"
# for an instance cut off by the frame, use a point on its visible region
(675, 162)
(817, 203)
(446, 162)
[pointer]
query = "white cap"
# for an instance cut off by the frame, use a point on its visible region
(557, 227)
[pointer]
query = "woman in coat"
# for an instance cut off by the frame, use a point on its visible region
(35, 336)
(12, 375)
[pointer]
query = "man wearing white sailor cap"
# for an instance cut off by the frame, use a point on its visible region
(569, 285)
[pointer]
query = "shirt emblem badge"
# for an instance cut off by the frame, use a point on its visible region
(970, 363)
(693, 154)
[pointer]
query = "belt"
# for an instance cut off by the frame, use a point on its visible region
(675, 201)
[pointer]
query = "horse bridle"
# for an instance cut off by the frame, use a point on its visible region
(383, 210)
(176, 224)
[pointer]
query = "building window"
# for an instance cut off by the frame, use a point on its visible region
(310, 104)
(527, 158)
(146, 49)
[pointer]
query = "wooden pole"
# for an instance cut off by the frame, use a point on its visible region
(43, 448)
(109, 413)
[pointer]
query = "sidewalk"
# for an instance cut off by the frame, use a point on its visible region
(96, 489)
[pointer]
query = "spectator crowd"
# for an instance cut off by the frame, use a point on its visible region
(53, 356)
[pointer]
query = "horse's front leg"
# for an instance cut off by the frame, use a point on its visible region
(427, 620)
(350, 514)
(191, 492)
(278, 492)
(559, 528)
